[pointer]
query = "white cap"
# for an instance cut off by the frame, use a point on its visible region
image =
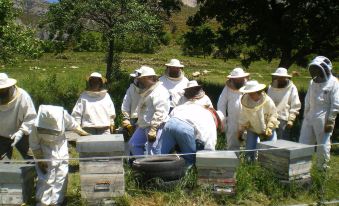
(238, 73)
(192, 84)
(50, 117)
(252, 86)
(281, 72)
(144, 71)
(6, 82)
(96, 74)
(174, 63)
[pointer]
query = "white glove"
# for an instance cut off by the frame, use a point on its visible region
(16, 137)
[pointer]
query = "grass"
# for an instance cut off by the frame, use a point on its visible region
(52, 80)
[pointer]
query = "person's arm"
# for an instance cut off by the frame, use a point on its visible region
(272, 120)
(334, 108)
(295, 106)
(72, 124)
(78, 111)
(28, 114)
(222, 101)
(126, 105)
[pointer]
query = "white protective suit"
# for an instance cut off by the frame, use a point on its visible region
(94, 110)
(175, 87)
(202, 121)
(153, 106)
(130, 102)
(18, 114)
(51, 186)
(321, 106)
(229, 104)
(257, 117)
(204, 101)
(287, 103)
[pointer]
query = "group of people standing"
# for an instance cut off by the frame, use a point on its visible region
(168, 113)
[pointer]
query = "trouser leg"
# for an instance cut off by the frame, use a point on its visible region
(137, 142)
(251, 144)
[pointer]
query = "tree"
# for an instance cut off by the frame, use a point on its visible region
(267, 29)
(114, 19)
(15, 39)
(199, 40)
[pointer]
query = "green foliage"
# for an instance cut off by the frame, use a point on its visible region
(289, 30)
(89, 41)
(199, 41)
(15, 39)
(114, 20)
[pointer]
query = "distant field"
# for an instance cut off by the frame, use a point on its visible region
(60, 81)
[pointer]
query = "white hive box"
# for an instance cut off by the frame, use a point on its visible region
(16, 183)
(218, 170)
(289, 160)
(101, 145)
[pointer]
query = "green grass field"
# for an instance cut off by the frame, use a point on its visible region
(52, 80)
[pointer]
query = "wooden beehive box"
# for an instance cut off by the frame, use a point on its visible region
(218, 170)
(101, 145)
(289, 160)
(101, 179)
(16, 183)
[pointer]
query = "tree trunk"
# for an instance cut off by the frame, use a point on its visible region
(286, 61)
(110, 55)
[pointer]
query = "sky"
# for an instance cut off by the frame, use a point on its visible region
(52, 1)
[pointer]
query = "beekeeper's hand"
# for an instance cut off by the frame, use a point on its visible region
(43, 166)
(80, 131)
(152, 135)
(112, 129)
(268, 132)
(289, 124)
(125, 123)
(329, 126)
(16, 137)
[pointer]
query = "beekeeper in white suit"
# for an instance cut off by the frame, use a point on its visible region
(129, 106)
(94, 110)
(229, 104)
(258, 116)
(17, 115)
(195, 94)
(286, 98)
(48, 141)
(174, 81)
(321, 109)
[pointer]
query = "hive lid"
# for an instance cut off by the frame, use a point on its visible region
(287, 149)
(216, 159)
(101, 143)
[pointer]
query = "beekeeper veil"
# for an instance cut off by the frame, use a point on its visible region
(320, 69)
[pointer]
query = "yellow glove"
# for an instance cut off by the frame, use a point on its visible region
(152, 135)
(112, 128)
(125, 123)
(80, 131)
(289, 124)
(268, 132)
(329, 126)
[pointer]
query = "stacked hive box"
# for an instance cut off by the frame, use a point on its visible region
(288, 160)
(101, 179)
(217, 168)
(16, 183)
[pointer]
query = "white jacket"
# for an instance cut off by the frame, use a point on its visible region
(286, 100)
(257, 118)
(204, 101)
(130, 102)
(229, 104)
(18, 114)
(94, 109)
(201, 120)
(322, 100)
(175, 87)
(153, 106)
